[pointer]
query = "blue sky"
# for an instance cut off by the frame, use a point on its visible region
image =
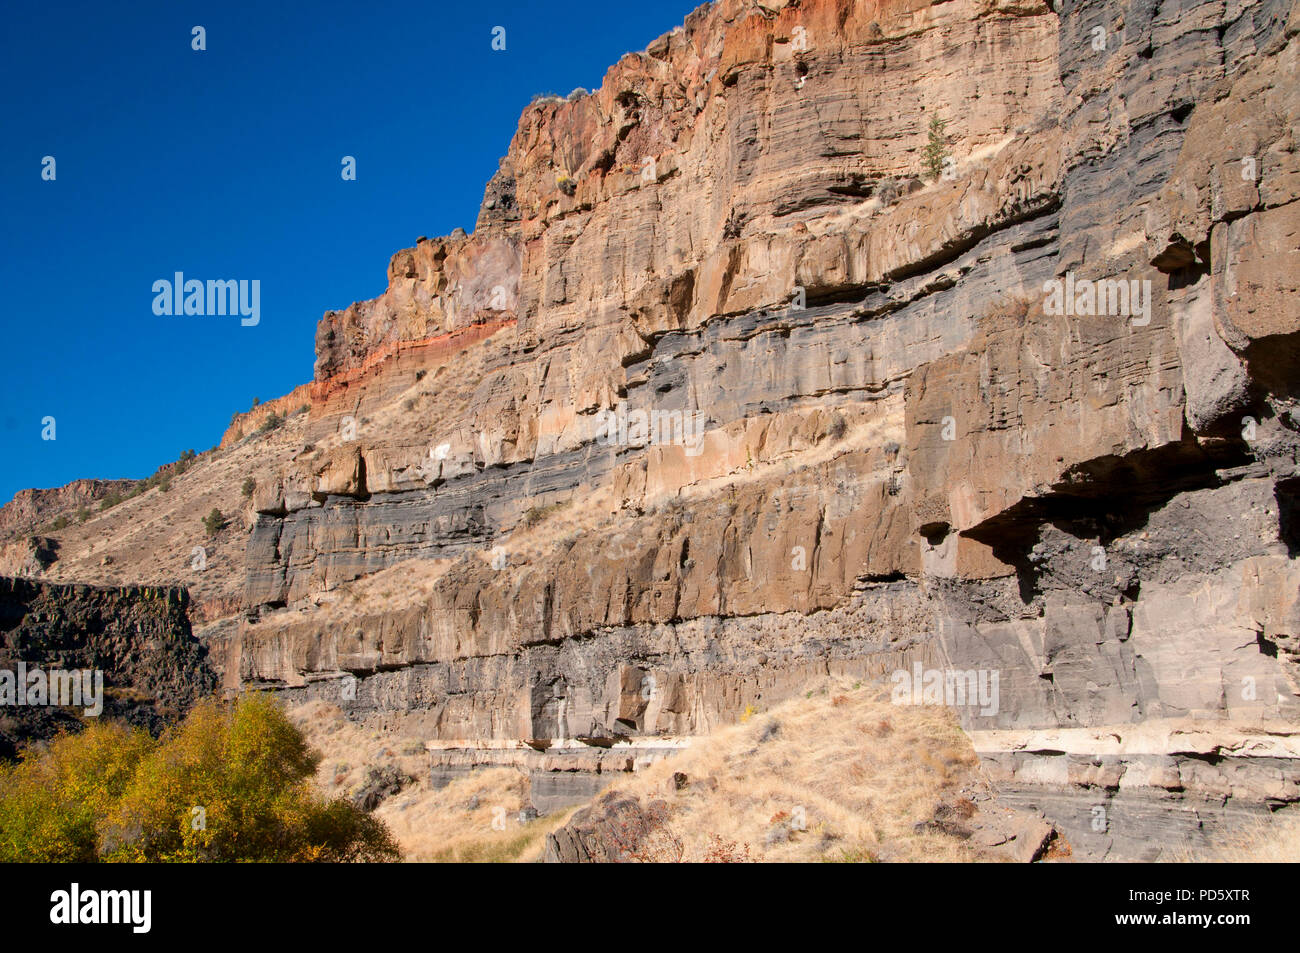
(226, 164)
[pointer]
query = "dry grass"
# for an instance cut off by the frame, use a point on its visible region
(840, 775)
(472, 819)
(852, 770)
(348, 749)
(1277, 842)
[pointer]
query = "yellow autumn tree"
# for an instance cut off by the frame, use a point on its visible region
(52, 802)
(232, 782)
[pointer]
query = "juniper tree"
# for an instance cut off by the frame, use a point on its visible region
(936, 148)
(214, 522)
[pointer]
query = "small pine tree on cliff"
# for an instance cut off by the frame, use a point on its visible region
(936, 149)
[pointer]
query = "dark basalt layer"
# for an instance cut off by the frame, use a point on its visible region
(153, 668)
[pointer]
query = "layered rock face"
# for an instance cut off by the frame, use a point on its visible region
(726, 391)
(138, 639)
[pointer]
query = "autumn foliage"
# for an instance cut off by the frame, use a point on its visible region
(232, 782)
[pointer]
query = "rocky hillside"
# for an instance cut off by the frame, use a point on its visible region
(834, 337)
(31, 510)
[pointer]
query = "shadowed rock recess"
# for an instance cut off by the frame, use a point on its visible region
(908, 456)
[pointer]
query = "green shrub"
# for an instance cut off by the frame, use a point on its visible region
(214, 522)
(936, 148)
(229, 783)
(246, 491)
(272, 422)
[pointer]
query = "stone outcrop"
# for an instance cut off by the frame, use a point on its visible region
(28, 556)
(252, 421)
(31, 510)
(153, 668)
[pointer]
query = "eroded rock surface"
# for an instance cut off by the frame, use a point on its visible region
(904, 457)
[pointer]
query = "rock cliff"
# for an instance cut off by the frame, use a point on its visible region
(866, 338)
(138, 639)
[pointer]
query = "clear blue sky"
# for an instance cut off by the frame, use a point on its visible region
(226, 164)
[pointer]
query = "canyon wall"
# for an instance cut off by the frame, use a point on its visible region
(907, 454)
(728, 390)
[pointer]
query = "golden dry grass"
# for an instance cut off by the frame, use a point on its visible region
(858, 770)
(348, 749)
(1275, 842)
(472, 819)
(839, 775)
